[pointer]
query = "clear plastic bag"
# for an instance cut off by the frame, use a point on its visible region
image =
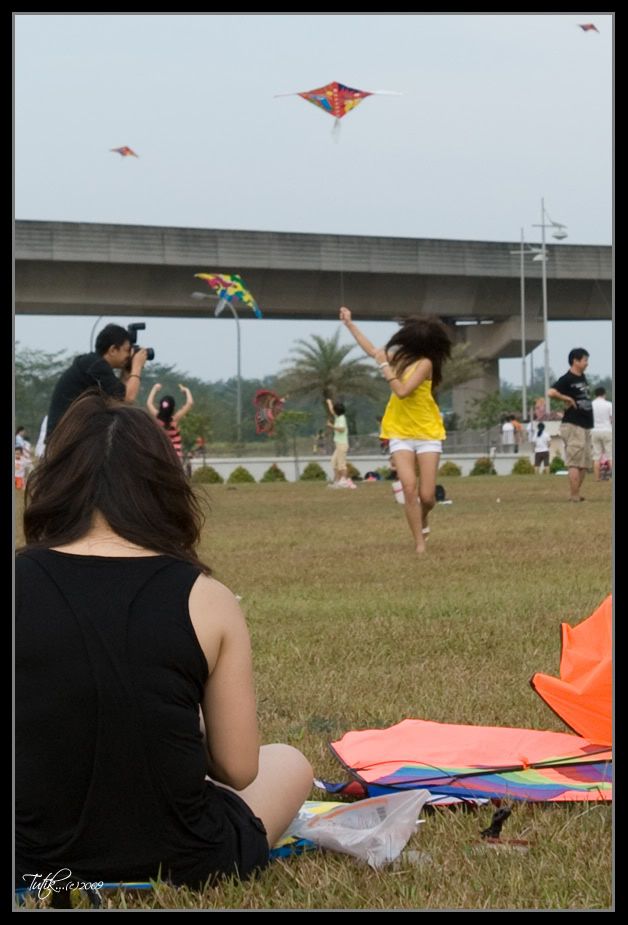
(375, 830)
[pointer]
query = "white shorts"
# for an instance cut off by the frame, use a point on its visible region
(415, 446)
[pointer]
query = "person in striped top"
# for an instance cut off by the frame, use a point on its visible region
(166, 415)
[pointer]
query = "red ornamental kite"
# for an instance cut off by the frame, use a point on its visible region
(588, 27)
(125, 152)
(268, 407)
(337, 99)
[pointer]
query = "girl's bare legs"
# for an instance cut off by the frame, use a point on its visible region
(404, 461)
(428, 471)
(281, 787)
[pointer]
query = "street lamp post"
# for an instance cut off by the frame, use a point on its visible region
(523, 250)
(222, 303)
(559, 233)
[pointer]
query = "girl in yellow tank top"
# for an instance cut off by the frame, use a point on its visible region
(411, 362)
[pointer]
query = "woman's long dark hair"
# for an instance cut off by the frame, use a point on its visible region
(419, 337)
(166, 409)
(108, 456)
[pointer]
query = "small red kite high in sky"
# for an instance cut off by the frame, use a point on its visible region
(125, 152)
(588, 27)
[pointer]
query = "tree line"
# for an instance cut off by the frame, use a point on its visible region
(317, 368)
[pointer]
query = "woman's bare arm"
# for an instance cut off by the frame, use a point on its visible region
(364, 342)
(150, 401)
(228, 707)
(189, 402)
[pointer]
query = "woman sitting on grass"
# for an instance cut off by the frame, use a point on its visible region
(411, 362)
(121, 636)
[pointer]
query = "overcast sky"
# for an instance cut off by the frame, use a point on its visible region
(494, 112)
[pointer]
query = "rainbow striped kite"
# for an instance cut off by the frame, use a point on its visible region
(229, 287)
(477, 761)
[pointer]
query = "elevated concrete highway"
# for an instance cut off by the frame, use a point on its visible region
(68, 268)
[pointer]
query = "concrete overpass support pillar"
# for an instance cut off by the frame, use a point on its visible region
(490, 343)
(464, 395)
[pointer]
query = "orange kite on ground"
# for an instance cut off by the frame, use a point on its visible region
(582, 696)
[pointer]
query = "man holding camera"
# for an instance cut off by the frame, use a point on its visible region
(113, 351)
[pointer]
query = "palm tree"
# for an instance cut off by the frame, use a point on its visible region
(319, 367)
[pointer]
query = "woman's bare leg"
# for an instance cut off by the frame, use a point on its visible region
(282, 785)
(405, 465)
(428, 471)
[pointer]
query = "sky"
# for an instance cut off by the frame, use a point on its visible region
(494, 112)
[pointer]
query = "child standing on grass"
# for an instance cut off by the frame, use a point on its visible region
(541, 450)
(411, 362)
(341, 445)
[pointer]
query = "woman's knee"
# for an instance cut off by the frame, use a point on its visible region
(428, 500)
(289, 759)
(409, 490)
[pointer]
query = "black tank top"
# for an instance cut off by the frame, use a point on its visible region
(110, 762)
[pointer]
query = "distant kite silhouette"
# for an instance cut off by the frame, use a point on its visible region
(125, 152)
(588, 27)
(338, 99)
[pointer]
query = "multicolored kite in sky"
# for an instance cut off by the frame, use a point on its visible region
(337, 99)
(125, 152)
(229, 287)
(588, 27)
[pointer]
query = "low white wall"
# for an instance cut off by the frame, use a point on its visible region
(257, 465)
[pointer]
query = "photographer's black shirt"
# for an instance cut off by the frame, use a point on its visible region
(85, 372)
(576, 387)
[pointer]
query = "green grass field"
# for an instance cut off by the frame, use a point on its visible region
(352, 630)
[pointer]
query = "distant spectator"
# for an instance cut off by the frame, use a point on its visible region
(541, 449)
(22, 443)
(508, 436)
(167, 417)
(19, 469)
(518, 426)
(602, 433)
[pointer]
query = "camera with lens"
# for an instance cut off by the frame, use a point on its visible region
(133, 329)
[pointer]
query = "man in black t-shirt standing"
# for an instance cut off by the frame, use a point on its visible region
(575, 430)
(113, 351)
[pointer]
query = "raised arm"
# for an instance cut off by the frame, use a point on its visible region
(228, 707)
(361, 340)
(150, 401)
(189, 401)
(132, 380)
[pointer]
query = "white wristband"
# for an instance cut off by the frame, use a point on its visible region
(381, 365)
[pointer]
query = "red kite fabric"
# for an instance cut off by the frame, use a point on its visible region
(124, 152)
(588, 27)
(582, 696)
(335, 98)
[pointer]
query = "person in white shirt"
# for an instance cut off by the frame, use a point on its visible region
(541, 450)
(602, 433)
(508, 436)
